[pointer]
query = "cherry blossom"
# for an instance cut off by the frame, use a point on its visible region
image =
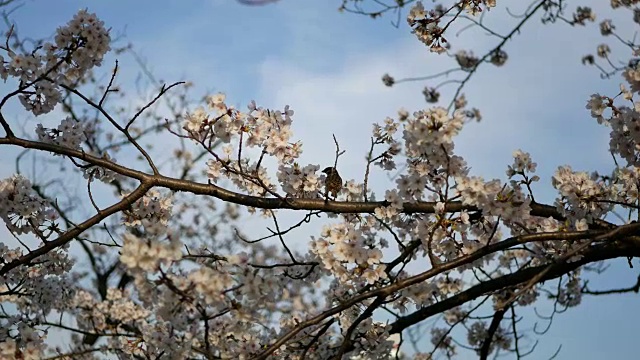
(170, 272)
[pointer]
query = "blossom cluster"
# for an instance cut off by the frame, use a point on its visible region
(21, 208)
(441, 340)
(70, 133)
(430, 130)
(582, 195)
(78, 46)
(152, 212)
(100, 173)
(268, 130)
(264, 128)
(632, 76)
(300, 181)
(393, 208)
(32, 349)
(384, 134)
(467, 60)
(478, 333)
(425, 27)
(425, 24)
(43, 288)
(147, 255)
(624, 121)
(249, 177)
(346, 252)
(494, 198)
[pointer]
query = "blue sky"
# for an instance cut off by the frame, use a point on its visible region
(327, 66)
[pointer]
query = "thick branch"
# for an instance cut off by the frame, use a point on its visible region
(618, 233)
(597, 253)
(264, 202)
(79, 229)
(495, 324)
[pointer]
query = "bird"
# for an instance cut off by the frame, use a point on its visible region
(333, 182)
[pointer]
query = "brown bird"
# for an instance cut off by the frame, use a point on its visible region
(333, 182)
